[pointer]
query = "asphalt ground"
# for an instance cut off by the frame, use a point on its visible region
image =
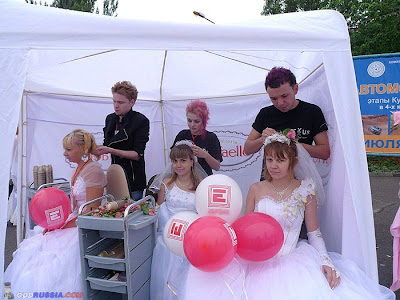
(385, 203)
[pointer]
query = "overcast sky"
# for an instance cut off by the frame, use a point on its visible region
(219, 11)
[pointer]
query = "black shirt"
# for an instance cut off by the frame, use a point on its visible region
(131, 133)
(209, 143)
(306, 119)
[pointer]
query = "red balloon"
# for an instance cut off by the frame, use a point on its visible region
(49, 208)
(259, 236)
(210, 244)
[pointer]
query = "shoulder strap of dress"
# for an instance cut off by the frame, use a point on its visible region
(308, 185)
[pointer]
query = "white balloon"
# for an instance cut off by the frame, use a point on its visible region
(219, 195)
(175, 229)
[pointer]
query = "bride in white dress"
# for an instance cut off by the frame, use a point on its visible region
(300, 270)
(177, 193)
(50, 262)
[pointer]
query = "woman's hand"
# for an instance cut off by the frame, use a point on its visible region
(199, 152)
(332, 275)
(202, 153)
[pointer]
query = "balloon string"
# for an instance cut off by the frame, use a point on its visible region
(243, 273)
(227, 284)
(172, 290)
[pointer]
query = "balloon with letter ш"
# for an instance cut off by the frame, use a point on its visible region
(210, 244)
(219, 195)
(175, 229)
(49, 208)
(260, 236)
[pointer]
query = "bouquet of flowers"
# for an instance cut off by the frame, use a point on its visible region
(105, 211)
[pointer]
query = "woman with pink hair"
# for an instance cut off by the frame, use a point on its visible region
(206, 146)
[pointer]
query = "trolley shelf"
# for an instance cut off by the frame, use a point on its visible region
(96, 234)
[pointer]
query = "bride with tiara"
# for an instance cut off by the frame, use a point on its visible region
(301, 269)
(50, 262)
(177, 187)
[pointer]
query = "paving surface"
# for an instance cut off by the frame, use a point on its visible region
(385, 204)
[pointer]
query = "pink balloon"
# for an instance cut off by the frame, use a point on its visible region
(210, 244)
(259, 236)
(49, 208)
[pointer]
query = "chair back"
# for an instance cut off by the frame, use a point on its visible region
(117, 184)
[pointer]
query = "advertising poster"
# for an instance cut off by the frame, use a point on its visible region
(378, 82)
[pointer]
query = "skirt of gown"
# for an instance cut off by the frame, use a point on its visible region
(47, 263)
(168, 272)
(297, 275)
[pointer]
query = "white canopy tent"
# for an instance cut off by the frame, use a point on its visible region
(57, 68)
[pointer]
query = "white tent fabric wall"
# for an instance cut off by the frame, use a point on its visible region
(67, 61)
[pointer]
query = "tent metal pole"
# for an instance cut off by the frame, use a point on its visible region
(164, 133)
(21, 186)
(312, 72)
(147, 100)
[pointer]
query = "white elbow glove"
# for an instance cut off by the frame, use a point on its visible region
(315, 239)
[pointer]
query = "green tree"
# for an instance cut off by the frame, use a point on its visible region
(109, 6)
(36, 2)
(80, 5)
(374, 25)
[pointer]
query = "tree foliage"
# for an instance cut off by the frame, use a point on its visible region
(109, 6)
(374, 25)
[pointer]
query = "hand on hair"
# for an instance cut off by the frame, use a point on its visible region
(100, 150)
(267, 132)
(199, 152)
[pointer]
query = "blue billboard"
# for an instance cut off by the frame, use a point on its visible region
(378, 82)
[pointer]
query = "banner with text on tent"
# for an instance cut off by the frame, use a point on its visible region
(378, 81)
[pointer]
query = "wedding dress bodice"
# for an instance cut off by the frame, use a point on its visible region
(179, 200)
(91, 176)
(288, 212)
(78, 193)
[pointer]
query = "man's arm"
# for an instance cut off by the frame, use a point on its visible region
(321, 148)
(129, 154)
(255, 140)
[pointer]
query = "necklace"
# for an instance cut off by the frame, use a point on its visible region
(281, 193)
(78, 171)
(182, 185)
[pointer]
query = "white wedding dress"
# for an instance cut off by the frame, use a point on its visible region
(51, 262)
(294, 273)
(167, 269)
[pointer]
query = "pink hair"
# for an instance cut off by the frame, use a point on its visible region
(200, 109)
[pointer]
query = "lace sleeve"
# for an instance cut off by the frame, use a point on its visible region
(93, 175)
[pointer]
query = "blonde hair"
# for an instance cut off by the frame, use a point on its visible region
(125, 88)
(184, 151)
(82, 138)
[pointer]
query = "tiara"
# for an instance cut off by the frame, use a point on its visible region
(184, 142)
(281, 138)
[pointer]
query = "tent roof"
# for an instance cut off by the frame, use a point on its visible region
(31, 26)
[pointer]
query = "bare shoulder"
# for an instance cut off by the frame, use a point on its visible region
(297, 183)
(166, 181)
(257, 189)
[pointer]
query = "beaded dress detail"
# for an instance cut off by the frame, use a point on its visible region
(289, 213)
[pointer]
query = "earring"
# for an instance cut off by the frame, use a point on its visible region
(84, 157)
